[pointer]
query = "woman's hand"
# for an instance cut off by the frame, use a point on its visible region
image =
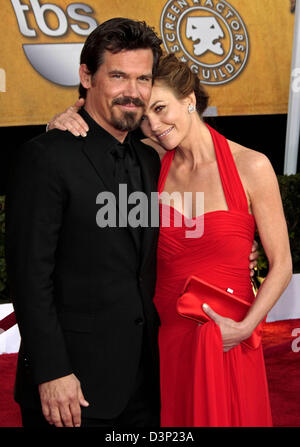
(233, 333)
(70, 120)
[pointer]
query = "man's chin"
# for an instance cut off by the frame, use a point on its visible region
(128, 122)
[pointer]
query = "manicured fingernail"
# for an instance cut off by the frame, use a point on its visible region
(205, 306)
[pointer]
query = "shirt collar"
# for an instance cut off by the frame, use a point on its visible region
(108, 139)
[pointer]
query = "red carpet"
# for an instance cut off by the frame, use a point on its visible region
(282, 365)
(9, 410)
(283, 371)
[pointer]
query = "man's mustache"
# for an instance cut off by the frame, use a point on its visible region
(128, 100)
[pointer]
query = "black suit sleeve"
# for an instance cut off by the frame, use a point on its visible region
(34, 213)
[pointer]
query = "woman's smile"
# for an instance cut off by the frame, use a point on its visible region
(166, 132)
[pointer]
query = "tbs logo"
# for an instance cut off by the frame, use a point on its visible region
(56, 62)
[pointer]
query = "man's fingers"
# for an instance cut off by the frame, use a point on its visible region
(252, 265)
(47, 413)
(61, 399)
(81, 398)
(253, 256)
(66, 415)
(76, 414)
(55, 416)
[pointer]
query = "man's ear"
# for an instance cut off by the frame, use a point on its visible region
(85, 76)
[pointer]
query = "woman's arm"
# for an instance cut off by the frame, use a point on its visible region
(266, 204)
(262, 188)
(71, 120)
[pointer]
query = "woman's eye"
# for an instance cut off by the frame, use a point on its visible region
(159, 108)
(144, 118)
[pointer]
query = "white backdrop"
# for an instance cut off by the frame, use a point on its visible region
(288, 305)
(10, 339)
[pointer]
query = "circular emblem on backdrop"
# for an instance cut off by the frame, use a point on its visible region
(209, 35)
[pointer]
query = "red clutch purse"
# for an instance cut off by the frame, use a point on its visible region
(197, 292)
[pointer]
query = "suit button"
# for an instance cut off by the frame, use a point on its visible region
(139, 321)
(26, 362)
(140, 279)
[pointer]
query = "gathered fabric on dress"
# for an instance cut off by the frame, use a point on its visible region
(202, 386)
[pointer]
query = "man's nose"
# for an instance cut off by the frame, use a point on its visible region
(132, 89)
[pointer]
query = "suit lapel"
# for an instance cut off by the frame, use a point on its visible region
(149, 176)
(96, 148)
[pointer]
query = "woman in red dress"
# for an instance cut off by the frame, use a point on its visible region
(209, 377)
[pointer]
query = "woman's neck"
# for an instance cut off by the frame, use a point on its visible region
(198, 147)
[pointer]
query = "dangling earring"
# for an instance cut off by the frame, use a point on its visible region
(191, 108)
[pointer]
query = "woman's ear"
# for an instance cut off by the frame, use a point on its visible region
(85, 76)
(190, 101)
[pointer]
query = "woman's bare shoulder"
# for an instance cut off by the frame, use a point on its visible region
(254, 168)
(249, 160)
(159, 149)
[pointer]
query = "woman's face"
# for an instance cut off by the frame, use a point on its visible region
(167, 120)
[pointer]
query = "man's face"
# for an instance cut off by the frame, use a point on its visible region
(120, 90)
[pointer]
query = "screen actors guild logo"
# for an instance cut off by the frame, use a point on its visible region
(206, 32)
(209, 35)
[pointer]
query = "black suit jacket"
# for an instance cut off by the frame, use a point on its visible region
(82, 294)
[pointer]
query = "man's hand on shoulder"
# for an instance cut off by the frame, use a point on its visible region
(253, 257)
(61, 400)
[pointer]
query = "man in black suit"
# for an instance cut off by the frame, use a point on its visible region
(82, 292)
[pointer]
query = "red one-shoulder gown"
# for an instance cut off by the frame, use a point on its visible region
(202, 386)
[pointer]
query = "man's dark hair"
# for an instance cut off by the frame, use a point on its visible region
(116, 35)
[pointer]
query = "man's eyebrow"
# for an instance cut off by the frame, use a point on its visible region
(147, 75)
(120, 72)
(117, 72)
